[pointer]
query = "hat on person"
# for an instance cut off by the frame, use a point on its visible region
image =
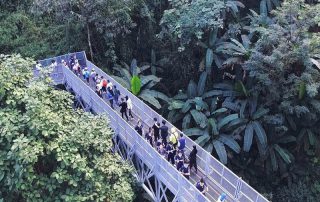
(92, 69)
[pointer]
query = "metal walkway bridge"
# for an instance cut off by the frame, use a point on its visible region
(158, 177)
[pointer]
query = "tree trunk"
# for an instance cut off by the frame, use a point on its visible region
(89, 42)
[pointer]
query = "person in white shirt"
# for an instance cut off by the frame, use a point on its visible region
(109, 85)
(38, 65)
(130, 106)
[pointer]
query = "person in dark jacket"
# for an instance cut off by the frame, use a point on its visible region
(139, 127)
(123, 109)
(170, 152)
(156, 128)
(116, 93)
(193, 158)
(164, 132)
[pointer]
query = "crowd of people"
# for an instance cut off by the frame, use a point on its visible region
(169, 145)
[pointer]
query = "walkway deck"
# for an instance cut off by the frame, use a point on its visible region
(218, 177)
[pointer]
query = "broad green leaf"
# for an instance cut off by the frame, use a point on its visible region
(180, 96)
(240, 88)
(193, 132)
(259, 113)
(192, 89)
(287, 139)
(273, 158)
(202, 83)
(213, 36)
(149, 98)
(221, 151)
(230, 142)
(248, 136)
(134, 67)
(200, 104)
(282, 153)
(242, 108)
(199, 118)
(312, 137)
(146, 79)
(219, 111)
(213, 126)
(212, 93)
(186, 121)
(209, 148)
(156, 94)
(135, 85)
(209, 60)
(176, 104)
(122, 82)
(227, 120)
(301, 134)
(187, 106)
(261, 134)
(202, 140)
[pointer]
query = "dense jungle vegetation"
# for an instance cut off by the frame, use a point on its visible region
(240, 77)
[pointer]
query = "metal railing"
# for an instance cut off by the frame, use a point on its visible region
(219, 177)
(163, 170)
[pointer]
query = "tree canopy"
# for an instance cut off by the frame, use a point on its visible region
(48, 151)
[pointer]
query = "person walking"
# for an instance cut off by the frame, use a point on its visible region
(181, 143)
(110, 98)
(193, 158)
(156, 128)
(148, 136)
(179, 160)
(116, 93)
(104, 84)
(170, 152)
(202, 186)
(185, 171)
(164, 132)
(130, 106)
(93, 76)
(86, 74)
(139, 127)
(162, 151)
(123, 109)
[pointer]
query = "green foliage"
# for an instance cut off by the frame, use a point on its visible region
(140, 85)
(48, 151)
(205, 16)
(135, 85)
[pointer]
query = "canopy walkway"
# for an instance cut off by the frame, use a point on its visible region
(158, 177)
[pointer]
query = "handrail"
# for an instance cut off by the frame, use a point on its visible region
(117, 122)
(217, 173)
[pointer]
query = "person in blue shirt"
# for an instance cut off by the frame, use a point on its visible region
(86, 74)
(170, 152)
(116, 93)
(185, 171)
(110, 98)
(181, 143)
(202, 186)
(179, 159)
